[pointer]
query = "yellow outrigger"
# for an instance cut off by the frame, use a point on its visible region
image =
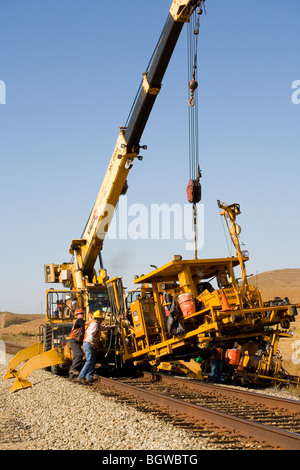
(35, 358)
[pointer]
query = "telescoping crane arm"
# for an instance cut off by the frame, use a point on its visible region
(86, 250)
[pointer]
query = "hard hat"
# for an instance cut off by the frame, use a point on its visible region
(97, 314)
(79, 311)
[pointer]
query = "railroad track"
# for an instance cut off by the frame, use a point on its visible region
(238, 419)
(241, 419)
(13, 348)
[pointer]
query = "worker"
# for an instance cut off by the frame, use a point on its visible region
(91, 343)
(76, 340)
(217, 360)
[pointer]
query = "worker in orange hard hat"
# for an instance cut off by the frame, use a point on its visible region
(76, 340)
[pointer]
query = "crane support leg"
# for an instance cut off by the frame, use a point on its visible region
(40, 361)
(21, 356)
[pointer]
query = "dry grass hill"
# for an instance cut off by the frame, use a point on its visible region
(24, 329)
(20, 328)
(280, 283)
(283, 283)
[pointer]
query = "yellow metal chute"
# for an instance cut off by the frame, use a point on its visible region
(35, 358)
(191, 369)
(21, 356)
(48, 358)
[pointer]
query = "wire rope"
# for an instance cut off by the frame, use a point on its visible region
(192, 46)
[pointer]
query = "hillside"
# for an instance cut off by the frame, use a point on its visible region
(280, 283)
(283, 283)
(7, 319)
(20, 328)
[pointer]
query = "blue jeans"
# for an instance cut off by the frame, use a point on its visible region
(216, 370)
(89, 367)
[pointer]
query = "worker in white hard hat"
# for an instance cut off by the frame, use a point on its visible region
(91, 343)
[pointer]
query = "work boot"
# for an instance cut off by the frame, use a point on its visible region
(81, 380)
(73, 374)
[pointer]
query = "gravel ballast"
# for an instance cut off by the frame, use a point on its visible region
(57, 414)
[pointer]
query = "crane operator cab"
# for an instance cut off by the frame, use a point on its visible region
(60, 311)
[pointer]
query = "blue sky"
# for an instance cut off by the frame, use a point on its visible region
(72, 69)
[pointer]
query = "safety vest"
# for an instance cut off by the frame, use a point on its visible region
(77, 333)
(93, 338)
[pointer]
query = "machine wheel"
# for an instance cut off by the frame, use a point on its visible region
(57, 370)
(47, 337)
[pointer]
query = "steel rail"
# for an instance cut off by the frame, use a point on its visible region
(12, 348)
(284, 440)
(281, 439)
(277, 403)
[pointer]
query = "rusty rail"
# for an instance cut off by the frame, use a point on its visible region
(292, 406)
(276, 437)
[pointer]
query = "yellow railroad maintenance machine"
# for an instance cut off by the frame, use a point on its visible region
(182, 312)
(196, 307)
